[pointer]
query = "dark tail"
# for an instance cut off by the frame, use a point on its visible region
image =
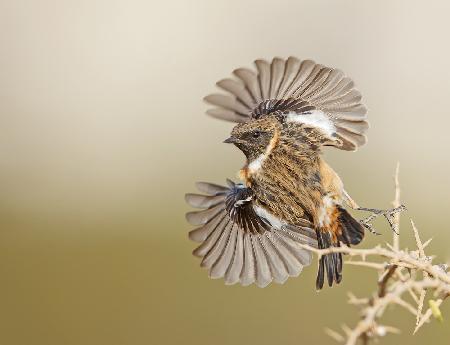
(347, 230)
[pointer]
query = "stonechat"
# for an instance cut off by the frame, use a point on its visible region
(287, 111)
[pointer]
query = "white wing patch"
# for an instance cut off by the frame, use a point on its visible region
(314, 118)
(274, 221)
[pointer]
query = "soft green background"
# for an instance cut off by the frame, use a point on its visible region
(102, 132)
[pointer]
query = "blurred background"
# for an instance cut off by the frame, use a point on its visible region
(102, 131)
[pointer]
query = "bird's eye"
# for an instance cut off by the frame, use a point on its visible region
(256, 134)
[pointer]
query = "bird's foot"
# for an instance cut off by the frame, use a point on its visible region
(388, 214)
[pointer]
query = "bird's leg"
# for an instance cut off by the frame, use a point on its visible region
(389, 214)
(350, 202)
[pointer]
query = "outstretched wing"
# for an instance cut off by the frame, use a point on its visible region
(294, 86)
(240, 242)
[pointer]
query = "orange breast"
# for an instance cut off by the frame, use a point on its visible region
(244, 175)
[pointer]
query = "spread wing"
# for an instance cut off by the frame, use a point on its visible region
(242, 244)
(297, 87)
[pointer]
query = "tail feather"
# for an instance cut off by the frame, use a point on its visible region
(352, 232)
(331, 264)
(348, 231)
(320, 274)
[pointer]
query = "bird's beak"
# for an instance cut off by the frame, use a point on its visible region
(231, 140)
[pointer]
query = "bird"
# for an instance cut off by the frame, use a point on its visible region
(258, 230)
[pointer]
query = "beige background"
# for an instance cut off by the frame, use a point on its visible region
(102, 131)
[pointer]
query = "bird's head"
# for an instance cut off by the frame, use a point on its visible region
(256, 137)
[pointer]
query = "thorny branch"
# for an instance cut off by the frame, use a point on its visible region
(405, 279)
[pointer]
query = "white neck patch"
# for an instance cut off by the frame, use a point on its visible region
(256, 164)
(314, 118)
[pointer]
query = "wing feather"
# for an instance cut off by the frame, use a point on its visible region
(233, 273)
(202, 233)
(204, 216)
(221, 266)
(249, 272)
(276, 263)
(204, 248)
(239, 90)
(276, 76)
(250, 80)
(293, 266)
(305, 70)
(227, 115)
(211, 188)
(218, 248)
(263, 273)
(227, 102)
(264, 77)
(290, 72)
(203, 201)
